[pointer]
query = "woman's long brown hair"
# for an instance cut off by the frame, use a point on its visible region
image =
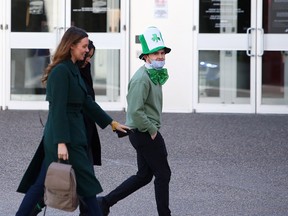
(71, 37)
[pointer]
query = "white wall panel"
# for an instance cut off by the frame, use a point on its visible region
(177, 32)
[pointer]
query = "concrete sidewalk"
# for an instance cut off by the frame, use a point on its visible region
(222, 164)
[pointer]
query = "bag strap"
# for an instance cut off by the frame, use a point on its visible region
(40, 119)
(45, 211)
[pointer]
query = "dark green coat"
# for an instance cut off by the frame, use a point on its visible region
(68, 100)
(33, 170)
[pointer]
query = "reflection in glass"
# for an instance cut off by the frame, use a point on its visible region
(29, 16)
(224, 16)
(96, 15)
(275, 16)
(224, 75)
(275, 77)
(105, 69)
(209, 74)
(27, 66)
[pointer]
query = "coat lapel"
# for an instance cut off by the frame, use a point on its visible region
(75, 71)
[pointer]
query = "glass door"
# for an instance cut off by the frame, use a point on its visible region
(36, 28)
(104, 20)
(242, 56)
(225, 40)
(272, 58)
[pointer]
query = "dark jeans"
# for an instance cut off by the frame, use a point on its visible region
(151, 161)
(33, 195)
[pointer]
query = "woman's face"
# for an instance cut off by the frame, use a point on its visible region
(79, 50)
(88, 57)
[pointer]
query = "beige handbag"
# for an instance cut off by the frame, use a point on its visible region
(60, 187)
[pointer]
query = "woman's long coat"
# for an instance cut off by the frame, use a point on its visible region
(33, 170)
(68, 100)
(67, 96)
(94, 144)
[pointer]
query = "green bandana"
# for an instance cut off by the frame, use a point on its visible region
(158, 76)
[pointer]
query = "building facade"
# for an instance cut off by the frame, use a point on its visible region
(228, 56)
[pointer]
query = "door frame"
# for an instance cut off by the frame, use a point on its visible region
(2, 49)
(267, 42)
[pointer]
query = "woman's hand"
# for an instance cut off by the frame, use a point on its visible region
(117, 126)
(62, 151)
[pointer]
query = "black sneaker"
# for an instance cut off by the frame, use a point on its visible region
(104, 207)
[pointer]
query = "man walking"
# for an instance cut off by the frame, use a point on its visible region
(143, 116)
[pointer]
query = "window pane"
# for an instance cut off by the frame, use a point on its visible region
(224, 75)
(275, 16)
(96, 15)
(27, 66)
(105, 69)
(275, 77)
(209, 74)
(30, 16)
(224, 16)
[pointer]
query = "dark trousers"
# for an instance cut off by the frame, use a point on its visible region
(151, 161)
(93, 208)
(33, 195)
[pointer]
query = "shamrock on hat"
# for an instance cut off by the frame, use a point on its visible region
(152, 41)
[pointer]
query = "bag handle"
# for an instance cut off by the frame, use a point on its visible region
(63, 161)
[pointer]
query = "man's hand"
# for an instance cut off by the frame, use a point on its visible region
(153, 136)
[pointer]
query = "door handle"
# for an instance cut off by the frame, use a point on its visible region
(6, 27)
(249, 42)
(261, 47)
(58, 32)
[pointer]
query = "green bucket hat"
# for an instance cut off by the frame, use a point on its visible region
(152, 41)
